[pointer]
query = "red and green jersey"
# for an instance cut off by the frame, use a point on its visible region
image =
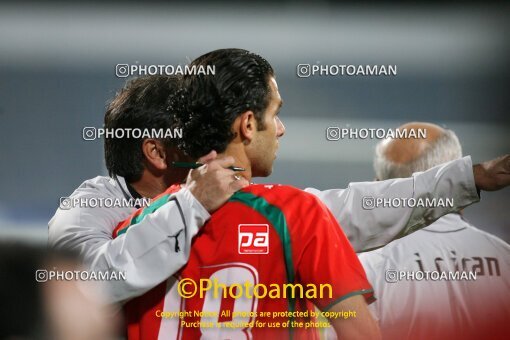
(265, 236)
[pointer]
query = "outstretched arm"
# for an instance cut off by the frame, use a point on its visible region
(368, 227)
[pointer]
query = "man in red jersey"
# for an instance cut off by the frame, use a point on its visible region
(272, 252)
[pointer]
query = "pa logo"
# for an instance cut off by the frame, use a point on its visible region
(253, 239)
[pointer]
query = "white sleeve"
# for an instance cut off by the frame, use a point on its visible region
(148, 253)
(367, 229)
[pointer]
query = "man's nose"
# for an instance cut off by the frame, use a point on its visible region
(280, 128)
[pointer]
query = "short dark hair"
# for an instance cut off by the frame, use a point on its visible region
(141, 104)
(211, 102)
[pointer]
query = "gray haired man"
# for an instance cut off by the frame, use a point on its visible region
(449, 280)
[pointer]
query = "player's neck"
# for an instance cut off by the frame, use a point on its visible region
(241, 160)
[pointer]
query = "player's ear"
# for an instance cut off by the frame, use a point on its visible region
(247, 126)
(154, 153)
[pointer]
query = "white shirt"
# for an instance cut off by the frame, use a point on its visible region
(146, 253)
(442, 309)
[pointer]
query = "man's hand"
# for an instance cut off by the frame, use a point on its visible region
(213, 183)
(492, 175)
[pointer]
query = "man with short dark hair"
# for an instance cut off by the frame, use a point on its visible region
(305, 245)
(141, 105)
(141, 167)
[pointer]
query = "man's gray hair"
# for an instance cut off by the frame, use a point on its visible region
(446, 148)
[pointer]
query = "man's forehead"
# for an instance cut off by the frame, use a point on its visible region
(274, 91)
(273, 82)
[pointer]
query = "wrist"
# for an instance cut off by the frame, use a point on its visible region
(478, 174)
(199, 210)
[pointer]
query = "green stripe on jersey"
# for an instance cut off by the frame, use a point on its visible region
(146, 211)
(279, 222)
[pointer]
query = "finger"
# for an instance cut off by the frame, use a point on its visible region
(209, 157)
(224, 162)
(237, 185)
(200, 171)
(196, 174)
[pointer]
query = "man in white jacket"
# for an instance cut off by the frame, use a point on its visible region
(159, 246)
(424, 282)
